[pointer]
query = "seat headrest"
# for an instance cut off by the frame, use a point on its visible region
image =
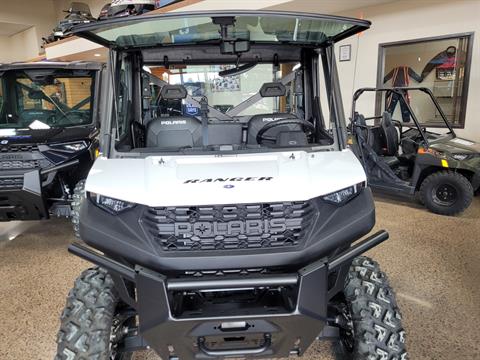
(173, 92)
(360, 119)
(387, 119)
(273, 89)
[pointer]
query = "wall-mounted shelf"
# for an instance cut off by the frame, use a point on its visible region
(79, 49)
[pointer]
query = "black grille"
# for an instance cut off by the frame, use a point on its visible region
(19, 164)
(228, 227)
(11, 183)
(219, 273)
(18, 148)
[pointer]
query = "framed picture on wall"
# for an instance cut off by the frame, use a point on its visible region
(345, 53)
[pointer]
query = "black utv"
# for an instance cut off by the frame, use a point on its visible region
(402, 157)
(48, 130)
(224, 212)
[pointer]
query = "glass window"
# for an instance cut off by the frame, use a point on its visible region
(225, 92)
(441, 65)
(47, 101)
(192, 28)
(124, 102)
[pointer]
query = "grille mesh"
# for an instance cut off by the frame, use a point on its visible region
(228, 227)
(19, 164)
(18, 148)
(11, 183)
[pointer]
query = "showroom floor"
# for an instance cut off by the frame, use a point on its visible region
(433, 263)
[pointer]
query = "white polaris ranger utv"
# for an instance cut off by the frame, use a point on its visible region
(224, 211)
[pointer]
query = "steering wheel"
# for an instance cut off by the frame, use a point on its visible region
(64, 118)
(307, 126)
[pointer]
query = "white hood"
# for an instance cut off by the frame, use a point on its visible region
(227, 179)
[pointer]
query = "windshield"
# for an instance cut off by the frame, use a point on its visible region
(302, 29)
(222, 107)
(39, 99)
(224, 93)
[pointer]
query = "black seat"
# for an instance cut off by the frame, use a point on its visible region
(391, 161)
(389, 136)
(174, 131)
(224, 134)
(186, 131)
(373, 137)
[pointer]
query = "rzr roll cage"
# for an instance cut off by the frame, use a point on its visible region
(400, 91)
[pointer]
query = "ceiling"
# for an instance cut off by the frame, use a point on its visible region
(9, 29)
(323, 6)
(326, 6)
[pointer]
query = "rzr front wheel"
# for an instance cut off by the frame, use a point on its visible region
(371, 326)
(446, 193)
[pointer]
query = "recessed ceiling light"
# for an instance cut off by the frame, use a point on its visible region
(97, 55)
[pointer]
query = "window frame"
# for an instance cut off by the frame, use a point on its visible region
(465, 86)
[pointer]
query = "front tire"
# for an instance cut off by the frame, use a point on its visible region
(372, 323)
(90, 320)
(446, 193)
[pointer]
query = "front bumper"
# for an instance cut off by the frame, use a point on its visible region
(229, 329)
(256, 334)
(21, 196)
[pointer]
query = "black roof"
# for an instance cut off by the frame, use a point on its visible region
(74, 65)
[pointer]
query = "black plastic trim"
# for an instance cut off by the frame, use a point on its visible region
(124, 236)
(25, 202)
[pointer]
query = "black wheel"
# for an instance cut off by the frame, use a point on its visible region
(370, 320)
(93, 322)
(446, 193)
(77, 199)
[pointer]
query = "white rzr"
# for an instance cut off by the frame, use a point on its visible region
(224, 211)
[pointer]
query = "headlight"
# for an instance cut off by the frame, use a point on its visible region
(461, 157)
(70, 147)
(109, 204)
(340, 197)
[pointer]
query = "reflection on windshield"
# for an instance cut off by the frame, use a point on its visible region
(190, 28)
(223, 92)
(50, 101)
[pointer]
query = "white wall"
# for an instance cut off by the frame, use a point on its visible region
(408, 20)
(5, 56)
(39, 15)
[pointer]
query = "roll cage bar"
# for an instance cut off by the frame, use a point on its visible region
(401, 92)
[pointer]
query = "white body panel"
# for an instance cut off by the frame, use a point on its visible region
(161, 180)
